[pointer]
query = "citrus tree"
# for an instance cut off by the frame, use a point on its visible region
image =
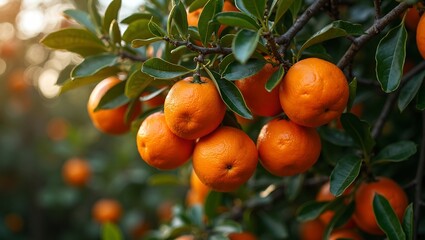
(287, 118)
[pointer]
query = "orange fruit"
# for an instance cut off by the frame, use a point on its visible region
(345, 234)
(165, 211)
(420, 36)
(185, 237)
(193, 109)
(198, 188)
(225, 159)
(242, 236)
(257, 98)
(110, 121)
(313, 92)
(159, 147)
(76, 172)
(287, 149)
(363, 213)
(57, 129)
(311, 230)
(155, 101)
(14, 222)
(106, 210)
(412, 18)
(17, 82)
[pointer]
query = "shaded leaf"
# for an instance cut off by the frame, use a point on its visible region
(282, 7)
(136, 84)
(275, 79)
(197, 4)
(336, 137)
(410, 90)
(179, 18)
(94, 13)
(396, 152)
(212, 203)
(387, 219)
(93, 64)
(207, 23)
(161, 69)
(359, 131)
(113, 98)
(255, 8)
(244, 44)
(236, 70)
(137, 30)
(390, 56)
(273, 225)
(420, 102)
(407, 223)
(237, 19)
(94, 78)
(115, 33)
(155, 29)
(353, 92)
(341, 216)
(311, 210)
(82, 18)
(343, 175)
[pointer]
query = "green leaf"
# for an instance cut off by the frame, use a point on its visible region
(212, 203)
(295, 8)
(410, 90)
(359, 131)
(407, 223)
(197, 4)
(245, 44)
(390, 56)
(345, 172)
(196, 214)
(115, 33)
(396, 152)
(334, 30)
(281, 10)
(336, 137)
(94, 78)
(236, 70)
(178, 16)
(237, 19)
(341, 216)
(353, 92)
(164, 179)
(231, 95)
(227, 226)
(294, 186)
(311, 210)
(80, 41)
(137, 43)
(275, 79)
(274, 226)
(93, 64)
(161, 69)
(137, 30)
(155, 29)
(111, 231)
(387, 219)
(255, 8)
(420, 101)
(94, 13)
(111, 14)
(113, 98)
(82, 18)
(136, 84)
(137, 16)
(207, 23)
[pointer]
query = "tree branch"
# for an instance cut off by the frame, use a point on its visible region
(377, 4)
(201, 50)
(301, 21)
(374, 30)
(418, 180)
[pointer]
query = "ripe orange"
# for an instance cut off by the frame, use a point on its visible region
(313, 92)
(106, 210)
(242, 236)
(159, 147)
(420, 36)
(225, 159)
(287, 149)
(76, 172)
(345, 234)
(412, 18)
(17, 82)
(363, 213)
(193, 109)
(110, 121)
(198, 188)
(312, 230)
(257, 98)
(186, 237)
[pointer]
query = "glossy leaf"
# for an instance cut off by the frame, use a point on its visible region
(236, 70)
(93, 64)
(80, 41)
(390, 56)
(137, 16)
(111, 14)
(231, 95)
(161, 69)
(334, 30)
(273, 225)
(343, 175)
(387, 219)
(336, 137)
(410, 90)
(137, 43)
(179, 18)
(275, 79)
(420, 102)
(237, 19)
(407, 223)
(115, 33)
(311, 210)
(113, 98)
(111, 231)
(155, 29)
(341, 216)
(295, 8)
(197, 4)
(137, 30)
(396, 152)
(282, 7)
(255, 8)
(359, 131)
(245, 44)
(82, 18)
(94, 78)
(207, 23)
(136, 84)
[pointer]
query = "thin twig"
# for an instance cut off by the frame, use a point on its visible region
(201, 50)
(301, 21)
(132, 57)
(374, 30)
(419, 179)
